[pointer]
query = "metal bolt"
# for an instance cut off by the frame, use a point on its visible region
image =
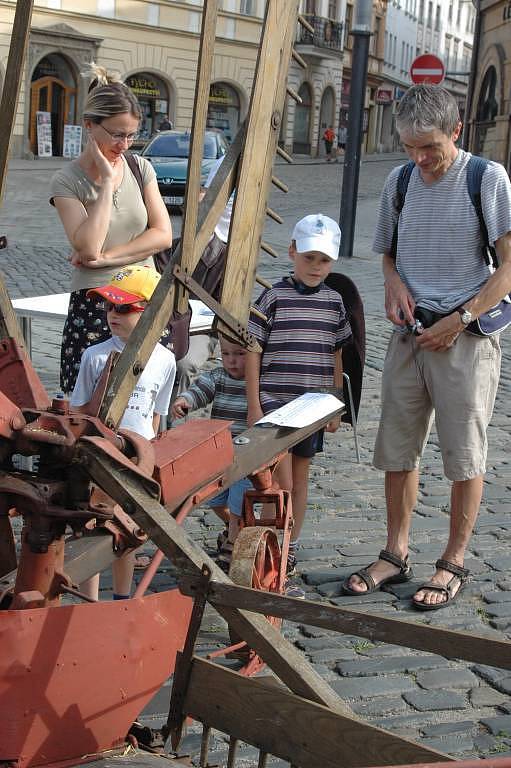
(137, 368)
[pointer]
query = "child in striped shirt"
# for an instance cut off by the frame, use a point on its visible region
(301, 336)
(224, 387)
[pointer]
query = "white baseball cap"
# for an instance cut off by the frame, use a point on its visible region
(317, 232)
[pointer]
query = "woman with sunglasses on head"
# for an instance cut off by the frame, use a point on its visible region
(108, 222)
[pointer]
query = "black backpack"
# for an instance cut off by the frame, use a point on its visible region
(498, 317)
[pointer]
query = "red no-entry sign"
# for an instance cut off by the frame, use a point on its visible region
(427, 69)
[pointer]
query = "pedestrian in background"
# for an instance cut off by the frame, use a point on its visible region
(328, 138)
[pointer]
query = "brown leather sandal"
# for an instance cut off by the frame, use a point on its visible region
(405, 574)
(459, 574)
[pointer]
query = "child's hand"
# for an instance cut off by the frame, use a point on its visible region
(180, 408)
(334, 424)
(253, 415)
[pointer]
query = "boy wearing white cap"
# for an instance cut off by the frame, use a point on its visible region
(126, 297)
(301, 340)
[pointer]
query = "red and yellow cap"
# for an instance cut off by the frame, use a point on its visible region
(129, 285)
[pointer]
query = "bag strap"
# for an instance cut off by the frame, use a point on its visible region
(476, 167)
(135, 169)
(402, 185)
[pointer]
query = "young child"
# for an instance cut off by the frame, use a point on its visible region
(301, 341)
(126, 297)
(224, 387)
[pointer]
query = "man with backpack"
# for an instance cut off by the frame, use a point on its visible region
(437, 221)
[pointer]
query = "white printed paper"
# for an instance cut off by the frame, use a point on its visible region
(303, 410)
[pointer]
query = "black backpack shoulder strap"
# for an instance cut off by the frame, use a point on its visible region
(402, 185)
(135, 169)
(476, 167)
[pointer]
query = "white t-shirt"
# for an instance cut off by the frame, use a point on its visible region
(224, 222)
(151, 394)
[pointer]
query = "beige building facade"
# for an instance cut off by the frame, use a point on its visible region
(154, 47)
(490, 111)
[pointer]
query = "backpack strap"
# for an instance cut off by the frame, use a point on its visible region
(135, 169)
(476, 167)
(402, 185)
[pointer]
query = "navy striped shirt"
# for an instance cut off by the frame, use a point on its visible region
(228, 395)
(298, 339)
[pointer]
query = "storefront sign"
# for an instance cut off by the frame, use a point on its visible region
(144, 86)
(72, 140)
(384, 95)
(44, 141)
(218, 94)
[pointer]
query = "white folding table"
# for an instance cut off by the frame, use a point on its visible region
(55, 307)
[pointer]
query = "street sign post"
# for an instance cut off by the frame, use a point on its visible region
(427, 68)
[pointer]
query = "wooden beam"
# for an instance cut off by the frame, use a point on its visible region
(9, 326)
(200, 113)
(444, 642)
(281, 656)
(266, 107)
(12, 81)
(299, 731)
(83, 558)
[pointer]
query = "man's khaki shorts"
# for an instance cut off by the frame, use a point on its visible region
(457, 386)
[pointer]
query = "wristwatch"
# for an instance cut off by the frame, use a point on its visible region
(465, 315)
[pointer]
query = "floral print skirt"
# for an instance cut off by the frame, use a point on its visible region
(85, 325)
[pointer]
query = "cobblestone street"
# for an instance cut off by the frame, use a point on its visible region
(459, 708)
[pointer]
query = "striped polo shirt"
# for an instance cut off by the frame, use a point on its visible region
(228, 395)
(439, 253)
(298, 338)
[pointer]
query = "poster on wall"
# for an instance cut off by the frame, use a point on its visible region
(72, 140)
(44, 143)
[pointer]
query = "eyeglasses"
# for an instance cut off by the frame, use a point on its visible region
(122, 309)
(128, 137)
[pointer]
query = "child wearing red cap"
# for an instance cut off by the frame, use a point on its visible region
(126, 297)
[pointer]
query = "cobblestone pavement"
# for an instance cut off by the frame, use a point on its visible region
(461, 709)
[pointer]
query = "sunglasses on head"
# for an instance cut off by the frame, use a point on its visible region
(122, 309)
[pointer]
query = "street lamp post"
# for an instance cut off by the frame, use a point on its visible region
(361, 32)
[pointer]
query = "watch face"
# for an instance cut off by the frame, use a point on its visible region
(466, 317)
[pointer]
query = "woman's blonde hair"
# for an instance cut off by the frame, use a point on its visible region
(108, 95)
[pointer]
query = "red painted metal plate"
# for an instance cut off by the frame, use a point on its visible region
(74, 678)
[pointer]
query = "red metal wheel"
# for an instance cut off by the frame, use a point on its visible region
(255, 563)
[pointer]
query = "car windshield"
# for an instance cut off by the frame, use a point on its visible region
(179, 146)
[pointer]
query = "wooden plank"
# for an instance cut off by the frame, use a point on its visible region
(9, 326)
(299, 731)
(12, 82)
(445, 642)
(280, 655)
(83, 558)
(200, 113)
(266, 106)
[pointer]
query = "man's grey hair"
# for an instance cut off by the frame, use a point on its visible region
(426, 107)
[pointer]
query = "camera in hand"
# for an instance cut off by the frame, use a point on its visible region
(424, 318)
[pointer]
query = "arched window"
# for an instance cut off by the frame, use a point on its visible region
(487, 110)
(53, 94)
(301, 128)
(224, 109)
